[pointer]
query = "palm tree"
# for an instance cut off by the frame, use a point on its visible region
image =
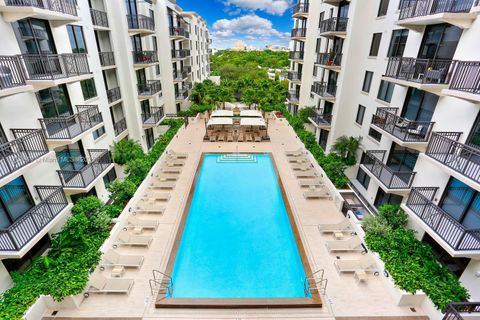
(346, 147)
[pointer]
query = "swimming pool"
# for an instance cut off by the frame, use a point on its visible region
(237, 241)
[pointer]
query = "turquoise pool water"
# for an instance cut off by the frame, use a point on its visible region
(237, 241)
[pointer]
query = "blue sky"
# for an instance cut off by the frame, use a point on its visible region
(255, 22)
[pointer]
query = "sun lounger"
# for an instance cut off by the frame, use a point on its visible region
(221, 137)
(127, 239)
(306, 174)
(301, 159)
(352, 244)
(248, 137)
(100, 284)
(134, 222)
(240, 137)
(301, 166)
(213, 138)
(310, 183)
(162, 185)
(295, 153)
(229, 138)
(178, 155)
(156, 196)
(341, 226)
(316, 194)
(167, 177)
(148, 207)
(365, 263)
(258, 138)
(111, 258)
(167, 169)
(174, 163)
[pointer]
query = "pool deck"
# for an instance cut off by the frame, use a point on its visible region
(345, 298)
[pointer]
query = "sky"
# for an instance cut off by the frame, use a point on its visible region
(255, 22)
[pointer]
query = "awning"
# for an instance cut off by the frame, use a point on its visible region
(219, 121)
(258, 122)
(222, 113)
(251, 113)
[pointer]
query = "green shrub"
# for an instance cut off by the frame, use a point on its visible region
(87, 205)
(122, 191)
(126, 150)
(394, 215)
(137, 169)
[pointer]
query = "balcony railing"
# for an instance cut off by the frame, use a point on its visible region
(114, 94)
(456, 235)
(322, 119)
(292, 96)
(299, 33)
(23, 230)
(329, 59)
(54, 66)
(420, 8)
(106, 59)
(294, 76)
(99, 18)
(425, 71)
(62, 6)
(180, 74)
(402, 128)
(140, 22)
(464, 159)
(466, 77)
(145, 57)
(82, 178)
(390, 178)
(11, 72)
(323, 89)
(181, 94)
(188, 85)
(462, 311)
(150, 88)
(28, 146)
(153, 116)
(120, 126)
(69, 127)
(179, 32)
(300, 8)
(333, 25)
(296, 55)
(180, 54)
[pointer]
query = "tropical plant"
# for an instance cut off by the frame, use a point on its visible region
(346, 148)
(126, 150)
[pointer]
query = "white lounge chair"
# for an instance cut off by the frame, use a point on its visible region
(257, 138)
(295, 153)
(111, 258)
(161, 185)
(134, 222)
(100, 284)
(352, 244)
(127, 239)
(310, 183)
(156, 196)
(148, 207)
(174, 163)
(167, 176)
(306, 174)
(316, 194)
(178, 155)
(342, 226)
(366, 264)
(301, 159)
(301, 166)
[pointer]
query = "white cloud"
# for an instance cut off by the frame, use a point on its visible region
(250, 25)
(275, 7)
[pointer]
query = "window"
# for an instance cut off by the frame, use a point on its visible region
(155, 48)
(54, 102)
(397, 43)
(386, 198)
(98, 133)
(367, 81)
(360, 114)
(15, 201)
(110, 177)
(363, 178)
(88, 89)
(375, 134)
(376, 39)
(419, 105)
(34, 36)
(77, 40)
(385, 91)
(71, 157)
(149, 138)
(323, 139)
(382, 10)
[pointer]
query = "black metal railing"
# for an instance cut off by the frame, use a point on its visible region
(82, 178)
(292, 96)
(294, 76)
(188, 85)
(54, 66)
(106, 59)
(420, 8)
(466, 77)
(11, 72)
(402, 128)
(323, 89)
(180, 54)
(114, 94)
(180, 75)
(150, 88)
(32, 222)
(333, 25)
(144, 57)
(69, 127)
(445, 148)
(301, 8)
(321, 118)
(120, 126)
(299, 33)
(462, 310)
(390, 178)
(296, 55)
(179, 32)
(426, 71)
(99, 18)
(62, 6)
(329, 59)
(153, 117)
(140, 22)
(477, 3)
(28, 146)
(182, 94)
(457, 236)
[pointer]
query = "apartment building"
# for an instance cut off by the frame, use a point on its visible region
(405, 76)
(75, 77)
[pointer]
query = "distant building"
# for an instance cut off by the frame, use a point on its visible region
(276, 47)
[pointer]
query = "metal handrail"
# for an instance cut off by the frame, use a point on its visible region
(324, 89)
(426, 71)
(301, 8)
(12, 72)
(154, 116)
(294, 76)
(54, 66)
(63, 6)
(297, 55)
(99, 18)
(325, 59)
(418, 8)
(120, 126)
(299, 33)
(151, 87)
(114, 94)
(144, 57)
(466, 77)
(333, 25)
(106, 59)
(140, 21)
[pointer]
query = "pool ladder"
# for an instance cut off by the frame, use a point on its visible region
(161, 283)
(315, 281)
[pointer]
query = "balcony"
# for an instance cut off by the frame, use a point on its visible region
(325, 91)
(334, 27)
(406, 133)
(390, 179)
(416, 14)
(188, 85)
(465, 82)
(454, 237)
(332, 2)
(48, 70)
(28, 146)
(180, 75)
(143, 59)
(149, 89)
(153, 117)
(296, 55)
(292, 97)
(299, 34)
(114, 95)
(463, 160)
(181, 95)
(321, 120)
(178, 33)
(329, 60)
(300, 10)
(462, 310)
(120, 127)
(140, 24)
(18, 238)
(67, 130)
(59, 12)
(294, 76)
(107, 60)
(180, 54)
(12, 76)
(99, 19)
